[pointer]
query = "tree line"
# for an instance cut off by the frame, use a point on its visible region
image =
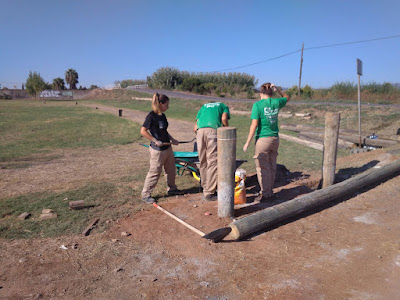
(203, 83)
(35, 83)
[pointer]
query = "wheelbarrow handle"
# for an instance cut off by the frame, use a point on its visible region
(169, 143)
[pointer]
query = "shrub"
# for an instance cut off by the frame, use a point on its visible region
(250, 93)
(35, 84)
(307, 91)
(166, 78)
(343, 89)
(190, 83)
(376, 88)
(199, 89)
(129, 82)
(292, 91)
(171, 78)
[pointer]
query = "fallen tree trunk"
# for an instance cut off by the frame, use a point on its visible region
(301, 141)
(367, 141)
(273, 215)
(308, 128)
(344, 135)
(319, 137)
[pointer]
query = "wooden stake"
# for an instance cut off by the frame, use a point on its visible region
(80, 204)
(90, 227)
(332, 123)
(226, 170)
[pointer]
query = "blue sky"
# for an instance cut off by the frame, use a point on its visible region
(105, 41)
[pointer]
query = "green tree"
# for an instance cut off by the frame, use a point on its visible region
(35, 84)
(71, 77)
(58, 84)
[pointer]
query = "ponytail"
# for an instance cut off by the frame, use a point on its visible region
(157, 99)
(266, 89)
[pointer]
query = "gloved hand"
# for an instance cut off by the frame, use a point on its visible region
(158, 143)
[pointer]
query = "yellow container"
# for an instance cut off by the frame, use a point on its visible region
(240, 188)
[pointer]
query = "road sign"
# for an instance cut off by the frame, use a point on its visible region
(359, 67)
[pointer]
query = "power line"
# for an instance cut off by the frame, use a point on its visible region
(260, 62)
(309, 48)
(355, 42)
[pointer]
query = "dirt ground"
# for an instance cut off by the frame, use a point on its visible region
(347, 250)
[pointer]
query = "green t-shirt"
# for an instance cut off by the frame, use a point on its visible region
(266, 112)
(210, 115)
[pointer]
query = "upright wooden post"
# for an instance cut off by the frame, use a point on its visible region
(359, 113)
(226, 170)
(359, 73)
(332, 124)
(301, 67)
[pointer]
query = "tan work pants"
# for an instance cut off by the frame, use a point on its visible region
(207, 151)
(265, 156)
(158, 160)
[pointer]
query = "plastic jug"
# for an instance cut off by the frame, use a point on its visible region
(240, 188)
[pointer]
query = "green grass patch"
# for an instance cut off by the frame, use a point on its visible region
(107, 201)
(28, 128)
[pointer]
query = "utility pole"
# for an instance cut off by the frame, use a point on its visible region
(301, 67)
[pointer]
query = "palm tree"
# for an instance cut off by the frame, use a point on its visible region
(71, 77)
(58, 84)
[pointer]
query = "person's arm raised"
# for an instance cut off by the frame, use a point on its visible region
(280, 92)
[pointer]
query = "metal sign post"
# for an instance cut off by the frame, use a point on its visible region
(359, 73)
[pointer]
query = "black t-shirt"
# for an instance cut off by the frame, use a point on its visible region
(157, 125)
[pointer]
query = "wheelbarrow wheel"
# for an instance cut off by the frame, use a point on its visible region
(183, 166)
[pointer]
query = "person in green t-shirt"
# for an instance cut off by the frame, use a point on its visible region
(264, 126)
(209, 118)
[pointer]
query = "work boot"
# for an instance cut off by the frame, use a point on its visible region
(175, 192)
(261, 198)
(149, 200)
(211, 197)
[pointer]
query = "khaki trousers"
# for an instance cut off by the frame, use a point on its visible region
(266, 152)
(158, 160)
(207, 151)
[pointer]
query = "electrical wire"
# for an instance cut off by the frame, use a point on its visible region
(309, 48)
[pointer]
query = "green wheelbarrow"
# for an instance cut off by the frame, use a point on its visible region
(186, 162)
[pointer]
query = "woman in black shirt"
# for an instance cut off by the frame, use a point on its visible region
(154, 129)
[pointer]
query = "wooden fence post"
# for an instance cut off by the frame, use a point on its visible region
(226, 170)
(332, 124)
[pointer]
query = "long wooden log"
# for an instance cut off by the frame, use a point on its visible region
(314, 129)
(367, 141)
(301, 142)
(319, 138)
(275, 214)
(347, 139)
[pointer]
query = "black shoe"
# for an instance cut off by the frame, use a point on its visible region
(175, 192)
(149, 200)
(261, 198)
(210, 198)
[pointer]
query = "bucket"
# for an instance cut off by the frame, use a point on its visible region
(240, 189)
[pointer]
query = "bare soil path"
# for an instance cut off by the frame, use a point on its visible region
(350, 250)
